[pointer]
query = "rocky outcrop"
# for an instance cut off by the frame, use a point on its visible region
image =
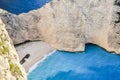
(10, 68)
(19, 29)
(70, 24)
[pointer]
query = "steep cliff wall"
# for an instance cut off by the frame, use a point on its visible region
(10, 68)
(69, 24)
(19, 30)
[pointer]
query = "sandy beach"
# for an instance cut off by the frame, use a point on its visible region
(37, 51)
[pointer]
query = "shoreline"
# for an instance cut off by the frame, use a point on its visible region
(37, 51)
(40, 61)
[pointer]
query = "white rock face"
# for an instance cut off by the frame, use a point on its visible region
(10, 68)
(69, 24)
(19, 29)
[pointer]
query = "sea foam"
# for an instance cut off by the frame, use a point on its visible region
(41, 60)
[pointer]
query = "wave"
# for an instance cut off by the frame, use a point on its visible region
(41, 60)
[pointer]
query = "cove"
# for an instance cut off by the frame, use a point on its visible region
(93, 64)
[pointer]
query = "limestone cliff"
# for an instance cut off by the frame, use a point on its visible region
(69, 24)
(10, 68)
(19, 30)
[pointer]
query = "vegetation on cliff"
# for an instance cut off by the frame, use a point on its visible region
(10, 68)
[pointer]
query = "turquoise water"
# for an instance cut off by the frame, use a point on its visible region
(93, 64)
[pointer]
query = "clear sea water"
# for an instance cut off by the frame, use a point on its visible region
(20, 6)
(93, 64)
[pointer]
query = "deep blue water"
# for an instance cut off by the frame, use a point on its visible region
(20, 6)
(93, 64)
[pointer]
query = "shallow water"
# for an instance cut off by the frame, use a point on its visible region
(20, 6)
(93, 64)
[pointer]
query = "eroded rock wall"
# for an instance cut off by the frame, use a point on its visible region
(114, 32)
(10, 68)
(69, 24)
(19, 29)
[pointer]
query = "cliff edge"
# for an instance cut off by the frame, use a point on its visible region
(10, 68)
